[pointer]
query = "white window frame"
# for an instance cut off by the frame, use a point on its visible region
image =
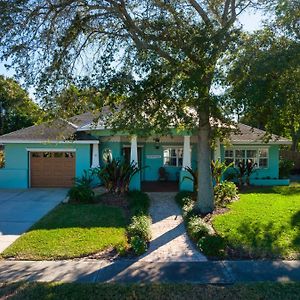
(177, 156)
(257, 148)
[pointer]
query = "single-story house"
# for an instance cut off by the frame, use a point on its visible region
(52, 154)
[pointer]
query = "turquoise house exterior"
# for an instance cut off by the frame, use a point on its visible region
(52, 154)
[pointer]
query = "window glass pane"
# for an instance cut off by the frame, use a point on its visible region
(173, 152)
(173, 161)
(180, 162)
(251, 153)
(180, 153)
(47, 154)
(240, 153)
(228, 153)
(166, 161)
(166, 152)
(263, 153)
(238, 161)
(263, 162)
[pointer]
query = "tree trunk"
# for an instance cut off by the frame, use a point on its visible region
(205, 196)
(295, 142)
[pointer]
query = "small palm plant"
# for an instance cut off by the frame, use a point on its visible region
(193, 177)
(117, 174)
(218, 168)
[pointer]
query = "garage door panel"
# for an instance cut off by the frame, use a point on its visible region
(52, 169)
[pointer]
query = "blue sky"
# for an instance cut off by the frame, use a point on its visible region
(250, 21)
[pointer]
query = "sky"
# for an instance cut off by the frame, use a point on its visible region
(250, 21)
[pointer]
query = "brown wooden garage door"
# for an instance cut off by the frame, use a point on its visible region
(52, 169)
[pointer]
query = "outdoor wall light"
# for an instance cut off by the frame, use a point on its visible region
(156, 141)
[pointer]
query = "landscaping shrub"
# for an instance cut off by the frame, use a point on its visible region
(139, 231)
(225, 192)
(212, 245)
(139, 203)
(285, 168)
(116, 175)
(138, 245)
(188, 208)
(182, 197)
(2, 159)
(197, 228)
(218, 168)
(140, 226)
(82, 191)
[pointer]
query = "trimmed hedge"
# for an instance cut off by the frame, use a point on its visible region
(139, 230)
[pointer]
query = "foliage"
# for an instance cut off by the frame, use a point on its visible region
(263, 71)
(139, 203)
(116, 175)
(72, 101)
(212, 245)
(225, 192)
(193, 177)
(20, 110)
(188, 208)
(140, 226)
(71, 231)
(156, 60)
(182, 197)
(285, 167)
(2, 159)
(138, 245)
(139, 230)
(197, 228)
(264, 223)
(218, 169)
(82, 191)
(245, 169)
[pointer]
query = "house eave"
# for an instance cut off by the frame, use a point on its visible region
(247, 142)
(48, 142)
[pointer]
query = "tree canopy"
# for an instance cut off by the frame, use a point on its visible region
(161, 56)
(17, 109)
(264, 75)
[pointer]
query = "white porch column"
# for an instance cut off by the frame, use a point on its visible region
(217, 150)
(186, 152)
(95, 156)
(134, 150)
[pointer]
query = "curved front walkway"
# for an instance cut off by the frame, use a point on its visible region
(170, 241)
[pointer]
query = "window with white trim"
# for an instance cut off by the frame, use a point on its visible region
(258, 156)
(173, 157)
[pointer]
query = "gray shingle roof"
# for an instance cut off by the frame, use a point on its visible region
(250, 134)
(57, 130)
(74, 128)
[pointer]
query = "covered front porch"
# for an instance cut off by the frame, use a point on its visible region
(168, 155)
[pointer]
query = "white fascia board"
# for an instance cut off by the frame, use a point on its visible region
(48, 142)
(50, 150)
(261, 143)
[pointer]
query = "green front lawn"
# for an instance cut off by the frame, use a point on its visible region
(71, 230)
(52, 291)
(264, 223)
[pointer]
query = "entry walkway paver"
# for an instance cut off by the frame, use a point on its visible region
(170, 241)
(207, 272)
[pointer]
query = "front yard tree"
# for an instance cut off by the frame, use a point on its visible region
(170, 47)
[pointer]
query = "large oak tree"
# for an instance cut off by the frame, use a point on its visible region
(161, 56)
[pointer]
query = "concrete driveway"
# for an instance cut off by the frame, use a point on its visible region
(20, 209)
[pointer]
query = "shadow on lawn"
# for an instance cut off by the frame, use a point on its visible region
(296, 223)
(282, 190)
(263, 240)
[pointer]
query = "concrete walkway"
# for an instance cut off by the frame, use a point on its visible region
(209, 272)
(20, 209)
(170, 241)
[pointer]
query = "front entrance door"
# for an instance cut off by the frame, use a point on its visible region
(126, 154)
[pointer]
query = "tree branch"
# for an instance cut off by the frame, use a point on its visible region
(201, 12)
